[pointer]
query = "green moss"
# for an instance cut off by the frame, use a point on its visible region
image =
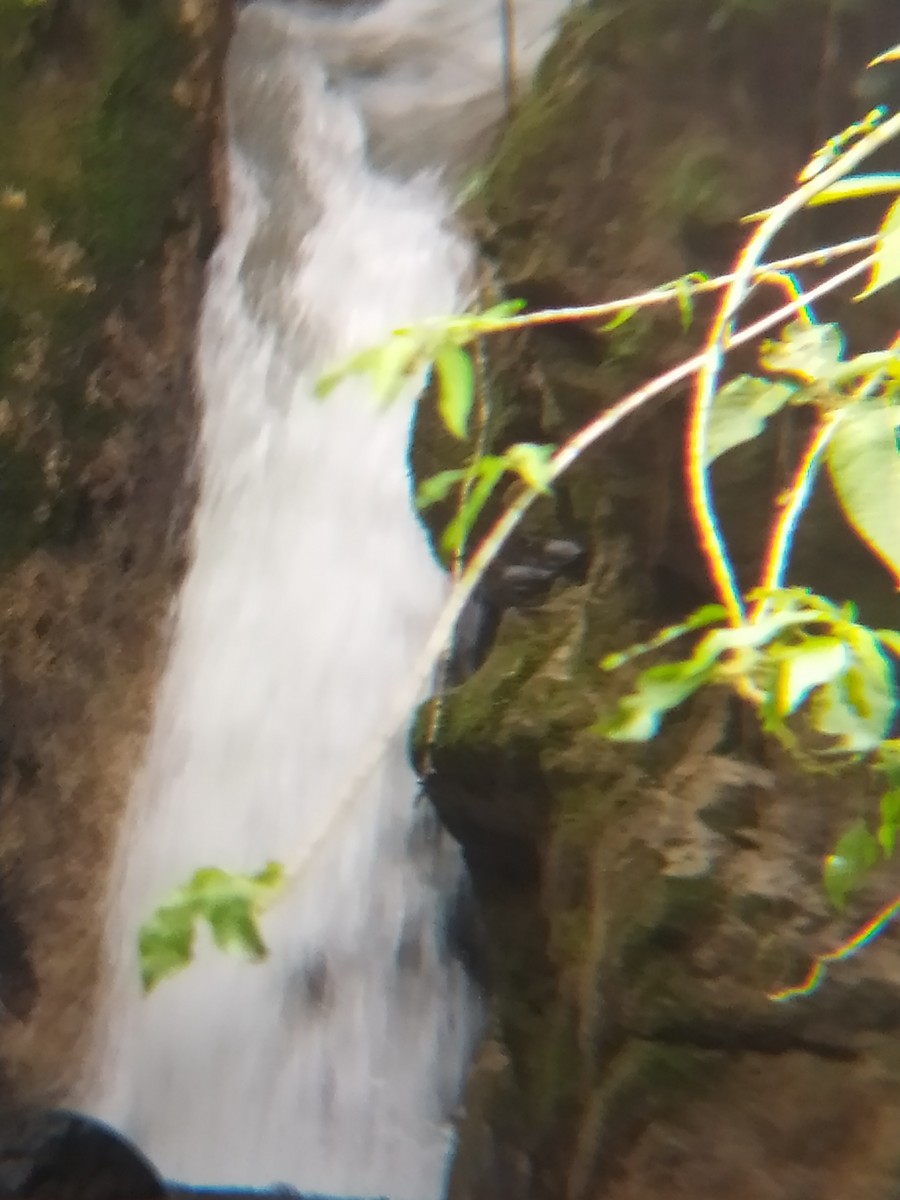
(132, 143)
(696, 180)
(21, 492)
(93, 146)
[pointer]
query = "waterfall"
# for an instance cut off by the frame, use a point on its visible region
(337, 1064)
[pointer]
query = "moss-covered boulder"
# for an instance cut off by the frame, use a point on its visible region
(640, 904)
(108, 147)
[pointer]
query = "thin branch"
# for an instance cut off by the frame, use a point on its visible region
(669, 294)
(746, 268)
(410, 690)
(799, 492)
(798, 497)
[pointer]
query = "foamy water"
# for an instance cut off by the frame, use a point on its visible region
(336, 1066)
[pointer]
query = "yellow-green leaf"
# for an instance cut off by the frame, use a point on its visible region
(229, 903)
(809, 351)
(892, 55)
(438, 487)
(456, 379)
(740, 411)
(864, 463)
(533, 463)
(805, 667)
(890, 821)
(849, 863)
(854, 187)
(886, 268)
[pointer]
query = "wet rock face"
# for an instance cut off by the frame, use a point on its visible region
(108, 140)
(640, 904)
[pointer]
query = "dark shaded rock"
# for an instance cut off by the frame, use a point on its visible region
(67, 1156)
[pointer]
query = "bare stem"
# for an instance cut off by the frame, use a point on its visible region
(721, 568)
(797, 498)
(669, 294)
(410, 689)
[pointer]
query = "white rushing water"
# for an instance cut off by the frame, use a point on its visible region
(335, 1066)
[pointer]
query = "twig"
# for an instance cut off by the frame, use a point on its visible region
(720, 565)
(410, 689)
(798, 497)
(668, 294)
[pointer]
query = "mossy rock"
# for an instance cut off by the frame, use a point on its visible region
(96, 140)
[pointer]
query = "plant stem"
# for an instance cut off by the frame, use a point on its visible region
(669, 294)
(712, 544)
(797, 499)
(411, 688)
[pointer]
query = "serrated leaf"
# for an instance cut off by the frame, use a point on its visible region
(808, 351)
(533, 463)
(165, 944)
(228, 902)
(890, 821)
(886, 268)
(437, 487)
(864, 464)
(234, 929)
(851, 860)
(740, 411)
(807, 666)
(456, 378)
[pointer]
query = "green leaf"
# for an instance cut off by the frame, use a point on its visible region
(886, 268)
(890, 821)
(855, 710)
(891, 55)
(533, 463)
(623, 315)
(486, 474)
(438, 487)
(864, 464)
(849, 863)
(806, 666)
(708, 614)
(359, 364)
(456, 377)
(502, 311)
(740, 410)
(866, 365)
(889, 638)
(228, 902)
(393, 365)
(683, 290)
(165, 944)
(809, 351)
(659, 689)
(853, 187)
